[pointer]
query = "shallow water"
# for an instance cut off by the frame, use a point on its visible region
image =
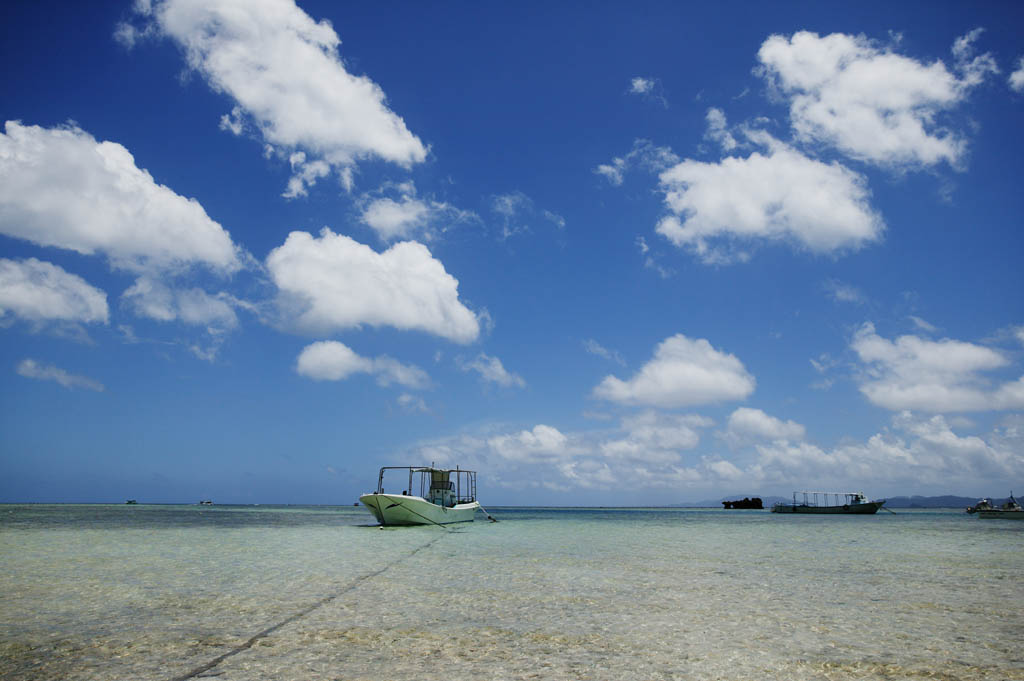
(238, 593)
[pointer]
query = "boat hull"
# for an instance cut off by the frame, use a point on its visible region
(999, 513)
(400, 509)
(866, 508)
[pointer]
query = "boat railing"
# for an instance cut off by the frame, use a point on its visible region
(823, 498)
(459, 482)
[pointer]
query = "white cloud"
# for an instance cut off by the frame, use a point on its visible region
(922, 324)
(649, 89)
(30, 368)
(718, 130)
(655, 438)
(684, 372)
(781, 194)
(843, 293)
(333, 283)
(38, 291)
(60, 187)
(641, 86)
(493, 371)
(408, 216)
(284, 71)
(413, 403)
(1016, 79)
(543, 443)
(595, 348)
(153, 299)
(661, 454)
(334, 361)
(395, 219)
(748, 425)
(869, 102)
(915, 451)
(643, 155)
(933, 376)
(517, 212)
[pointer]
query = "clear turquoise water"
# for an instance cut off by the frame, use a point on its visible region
(233, 593)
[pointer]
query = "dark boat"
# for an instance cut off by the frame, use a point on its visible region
(745, 502)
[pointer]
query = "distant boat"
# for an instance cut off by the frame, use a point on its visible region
(1011, 510)
(131, 501)
(983, 505)
(745, 502)
(838, 503)
(442, 500)
(206, 502)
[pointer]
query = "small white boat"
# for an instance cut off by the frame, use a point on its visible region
(445, 496)
(839, 503)
(1011, 510)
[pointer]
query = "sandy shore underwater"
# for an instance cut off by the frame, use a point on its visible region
(231, 593)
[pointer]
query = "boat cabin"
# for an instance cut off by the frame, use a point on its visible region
(440, 486)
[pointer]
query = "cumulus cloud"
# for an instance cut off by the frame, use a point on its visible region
(683, 372)
(60, 187)
(644, 155)
(492, 370)
(284, 71)
(332, 283)
(395, 219)
(748, 425)
(922, 451)
(409, 216)
(870, 102)
(1016, 79)
(543, 443)
(30, 368)
(655, 438)
(778, 195)
(334, 361)
(661, 454)
(153, 299)
(933, 376)
(38, 291)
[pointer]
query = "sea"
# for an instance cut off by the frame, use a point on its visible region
(173, 593)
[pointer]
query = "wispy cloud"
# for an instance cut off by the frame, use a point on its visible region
(30, 368)
(491, 370)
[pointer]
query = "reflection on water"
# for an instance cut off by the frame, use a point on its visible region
(158, 592)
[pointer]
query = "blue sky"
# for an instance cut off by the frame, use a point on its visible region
(603, 253)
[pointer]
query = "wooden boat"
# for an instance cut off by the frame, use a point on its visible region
(445, 496)
(837, 503)
(1011, 510)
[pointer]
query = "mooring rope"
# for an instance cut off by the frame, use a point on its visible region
(299, 615)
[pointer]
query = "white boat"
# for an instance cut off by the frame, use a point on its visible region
(839, 503)
(1011, 510)
(445, 496)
